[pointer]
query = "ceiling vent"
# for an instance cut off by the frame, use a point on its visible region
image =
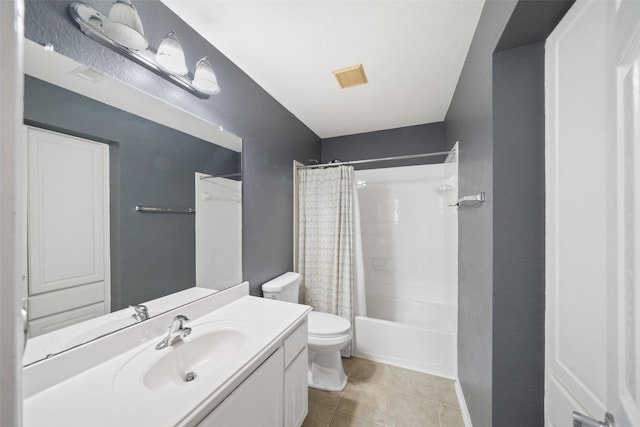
(88, 74)
(350, 76)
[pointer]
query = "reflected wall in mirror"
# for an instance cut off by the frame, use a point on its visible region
(97, 149)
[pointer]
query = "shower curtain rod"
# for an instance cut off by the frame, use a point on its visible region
(381, 159)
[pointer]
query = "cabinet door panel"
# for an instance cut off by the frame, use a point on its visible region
(296, 391)
(257, 402)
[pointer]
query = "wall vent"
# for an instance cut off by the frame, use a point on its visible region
(88, 74)
(350, 76)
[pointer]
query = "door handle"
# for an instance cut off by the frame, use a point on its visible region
(24, 314)
(581, 420)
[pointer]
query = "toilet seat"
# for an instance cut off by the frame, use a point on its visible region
(324, 344)
(325, 325)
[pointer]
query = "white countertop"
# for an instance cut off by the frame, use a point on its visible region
(90, 399)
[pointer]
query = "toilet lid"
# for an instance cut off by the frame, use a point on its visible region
(325, 324)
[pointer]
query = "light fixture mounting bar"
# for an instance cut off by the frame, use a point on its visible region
(90, 22)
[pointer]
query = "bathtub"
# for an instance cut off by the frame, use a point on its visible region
(413, 335)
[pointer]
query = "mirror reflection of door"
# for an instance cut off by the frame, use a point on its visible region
(67, 230)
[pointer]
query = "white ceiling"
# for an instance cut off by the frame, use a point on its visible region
(412, 52)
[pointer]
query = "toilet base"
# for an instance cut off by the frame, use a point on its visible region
(326, 371)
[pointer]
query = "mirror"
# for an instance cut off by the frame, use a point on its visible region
(96, 150)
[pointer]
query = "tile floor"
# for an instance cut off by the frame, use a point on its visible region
(384, 395)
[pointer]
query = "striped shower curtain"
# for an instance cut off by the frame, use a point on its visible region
(326, 240)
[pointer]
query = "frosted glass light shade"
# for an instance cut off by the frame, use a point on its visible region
(124, 26)
(170, 56)
(204, 79)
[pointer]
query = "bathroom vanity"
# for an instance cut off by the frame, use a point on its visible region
(244, 363)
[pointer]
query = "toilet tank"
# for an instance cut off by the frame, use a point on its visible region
(284, 287)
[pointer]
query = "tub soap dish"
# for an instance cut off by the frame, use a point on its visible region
(467, 200)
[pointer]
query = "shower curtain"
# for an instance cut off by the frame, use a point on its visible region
(327, 242)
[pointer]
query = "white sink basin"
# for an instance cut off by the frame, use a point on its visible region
(208, 351)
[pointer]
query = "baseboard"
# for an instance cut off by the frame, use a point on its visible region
(463, 405)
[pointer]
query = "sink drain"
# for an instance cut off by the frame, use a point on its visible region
(189, 377)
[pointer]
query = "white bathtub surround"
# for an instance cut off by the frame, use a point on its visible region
(218, 231)
(326, 248)
(423, 349)
(426, 315)
(95, 396)
(409, 233)
(410, 239)
(359, 292)
(427, 346)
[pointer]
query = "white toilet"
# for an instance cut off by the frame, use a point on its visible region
(328, 334)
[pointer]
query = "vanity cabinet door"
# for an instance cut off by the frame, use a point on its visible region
(257, 402)
(296, 391)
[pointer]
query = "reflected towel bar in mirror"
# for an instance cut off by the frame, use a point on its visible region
(145, 209)
(228, 175)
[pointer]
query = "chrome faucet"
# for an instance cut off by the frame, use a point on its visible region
(142, 312)
(177, 331)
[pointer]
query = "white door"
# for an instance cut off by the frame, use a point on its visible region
(593, 202)
(68, 223)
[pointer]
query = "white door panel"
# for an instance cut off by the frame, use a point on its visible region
(559, 414)
(593, 214)
(49, 303)
(62, 320)
(576, 227)
(66, 211)
(624, 366)
(68, 221)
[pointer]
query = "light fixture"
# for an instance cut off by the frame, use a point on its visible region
(170, 56)
(204, 79)
(124, 26)
(122, 32)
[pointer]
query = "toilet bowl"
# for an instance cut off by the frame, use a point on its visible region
(327, 335)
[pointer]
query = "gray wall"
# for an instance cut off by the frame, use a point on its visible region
(417, 139)
(518, 236)
(272, 136)
(469, 121)
(150, 164)
(497, 115)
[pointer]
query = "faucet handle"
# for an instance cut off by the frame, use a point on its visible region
(182, 318)
(177, 331)
(141, 312)
(177, 324)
